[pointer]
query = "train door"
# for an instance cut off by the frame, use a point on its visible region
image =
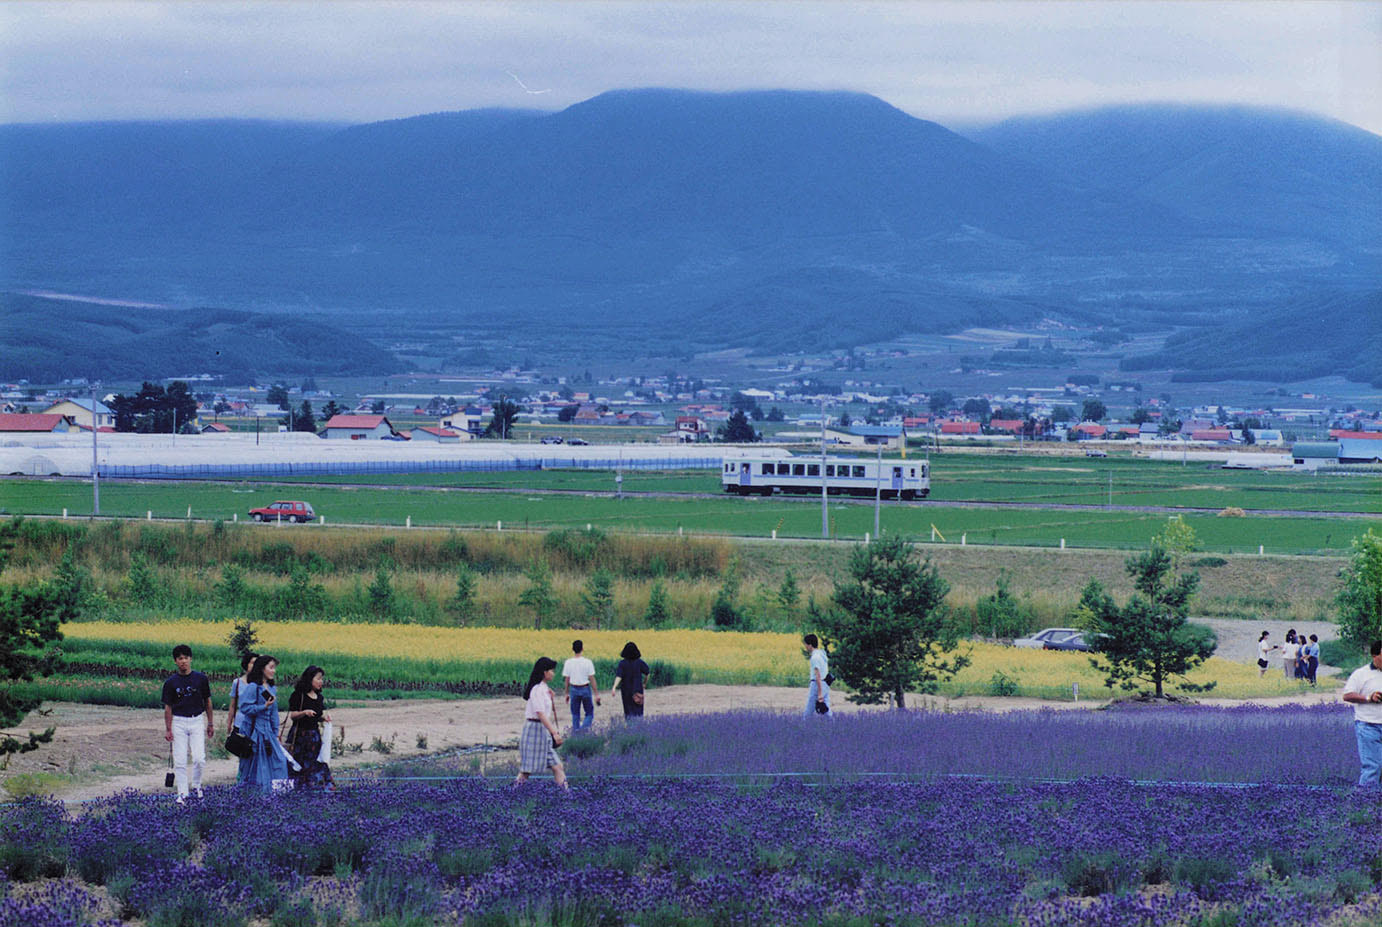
(744, 469)
(897, 479)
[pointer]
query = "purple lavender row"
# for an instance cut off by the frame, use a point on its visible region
(1098, 852)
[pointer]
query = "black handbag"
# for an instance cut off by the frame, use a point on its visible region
(238, 744)
(830, 679)
(169, 780)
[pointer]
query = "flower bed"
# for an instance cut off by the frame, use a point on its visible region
(614, 852)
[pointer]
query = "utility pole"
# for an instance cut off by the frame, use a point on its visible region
(825, 509)
(877, 491)
(95, 469)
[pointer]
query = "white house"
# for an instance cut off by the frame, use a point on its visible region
(437, 435)
(359, 427)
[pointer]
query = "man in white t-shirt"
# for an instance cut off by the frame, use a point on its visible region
(578, 677)
(818, 692)
(1364, 691)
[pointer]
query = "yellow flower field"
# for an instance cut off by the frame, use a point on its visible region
(707, 656)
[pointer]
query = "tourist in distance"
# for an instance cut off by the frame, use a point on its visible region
(307, 711)
(578, 679)
(1364, 691)
(187, 721)
(818, 691)
(1264, 651)
(1312, 659)
(631, 680)
(267, 765)
(539, 739)
(1289, 650)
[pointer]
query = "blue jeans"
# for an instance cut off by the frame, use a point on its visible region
(581, 698)
(811, 701)
(1369, 752)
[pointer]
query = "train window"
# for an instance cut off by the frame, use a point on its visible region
(798, 469)
(829, 469)
(813, 470)
(769, 469)
(912, 471)
(858, 471)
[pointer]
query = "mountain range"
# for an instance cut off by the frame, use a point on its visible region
(663, 221)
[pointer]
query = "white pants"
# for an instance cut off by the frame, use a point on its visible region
(188, 733)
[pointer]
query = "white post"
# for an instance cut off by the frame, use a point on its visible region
(498, 526)
(963, 537)
(64, 513)
(1259, 546)
(149, 515)
(1062, 543)
(866, 537)
(323, 519)
(235, 519)
(679, 531)
(1076, 689)
(587, 526)
(408, 522)
(933, 534)
(189, 512)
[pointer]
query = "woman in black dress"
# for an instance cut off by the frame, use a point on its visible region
(307, 709)
(631, 680)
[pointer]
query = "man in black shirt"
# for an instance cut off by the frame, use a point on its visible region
(186, 698)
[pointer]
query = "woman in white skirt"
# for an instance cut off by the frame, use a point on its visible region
(538, 742)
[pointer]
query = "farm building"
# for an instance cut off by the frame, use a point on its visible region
(35, 423)
(889, 436)
(79, 411)
(436, 435)
(1311, 455)
(1360, 451)
(359, 427)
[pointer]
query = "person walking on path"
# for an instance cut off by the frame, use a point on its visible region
(307, 711)
(1312, 659)
(539, 739)
(188, 721)
(631, 680)
(818, 691)
(1364, 692)
(239, 682)
(578, 678)
(1264, 651)
(268, 762)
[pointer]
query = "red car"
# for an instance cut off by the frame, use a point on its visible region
(300, 512)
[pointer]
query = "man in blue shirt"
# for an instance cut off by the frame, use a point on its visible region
(188, 720)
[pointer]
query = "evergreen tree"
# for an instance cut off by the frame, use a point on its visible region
(462, 604)
(789, 593)
(539, 595)
(888, 625)
(657, 614)
(738, 430)
(598, 597)
(381, 595)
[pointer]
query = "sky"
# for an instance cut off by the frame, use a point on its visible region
(958, 63)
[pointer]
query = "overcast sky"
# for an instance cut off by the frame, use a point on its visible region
(952, 62)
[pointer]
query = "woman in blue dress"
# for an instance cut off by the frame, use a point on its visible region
(257, 718)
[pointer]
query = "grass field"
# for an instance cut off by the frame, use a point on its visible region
(717, 516)
(358, 658)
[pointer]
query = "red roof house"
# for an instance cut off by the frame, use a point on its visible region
(35, 422)
(959, 428)
(1009, 425)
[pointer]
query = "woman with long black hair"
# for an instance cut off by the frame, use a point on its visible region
(307, 709)
(631, 680)
(539, 739)
(257, 718)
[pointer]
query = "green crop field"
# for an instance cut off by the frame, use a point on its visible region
(730, 516)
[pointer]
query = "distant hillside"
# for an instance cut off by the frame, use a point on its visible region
(1242, 171)
(48, 339)
(1339, 335)
(679, 221)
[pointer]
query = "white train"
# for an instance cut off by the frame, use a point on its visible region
(900, 479)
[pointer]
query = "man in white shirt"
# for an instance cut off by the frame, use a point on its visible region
(1364, 691)
(578, 677)
(818, 693)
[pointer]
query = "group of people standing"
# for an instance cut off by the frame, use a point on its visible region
(1300, 657)
(276, 758)
(540, 736)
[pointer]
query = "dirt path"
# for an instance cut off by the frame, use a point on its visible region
(101, 750)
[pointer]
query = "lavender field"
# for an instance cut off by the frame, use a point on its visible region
(1290, 744)
(931, 844)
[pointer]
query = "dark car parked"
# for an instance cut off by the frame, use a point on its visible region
(1080, 642)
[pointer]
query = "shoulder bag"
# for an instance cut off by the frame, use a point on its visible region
(238, 744)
